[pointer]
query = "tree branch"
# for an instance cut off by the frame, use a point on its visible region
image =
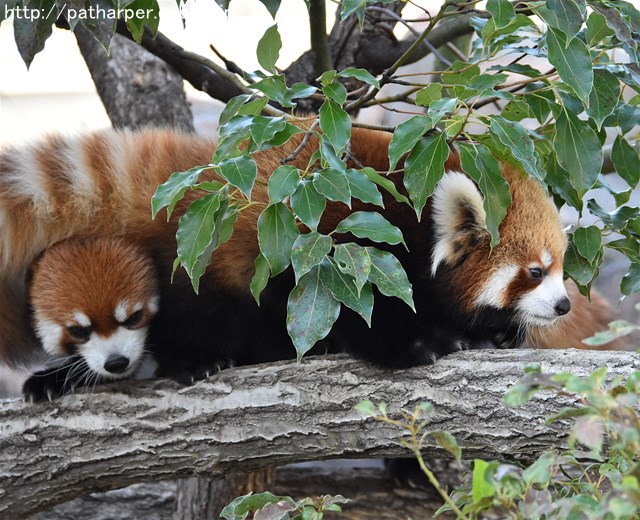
(252, 417)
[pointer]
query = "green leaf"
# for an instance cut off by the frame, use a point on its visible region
(630, 283)
(362, 188)
(502, 12)
(350, 7)
(334, 185)
(564, 15)
(617, 219)
(283, 182)
(484, 169)
(483, 485)
(590, 432)
(277, 231)
(626, 161)
(588, 241)
(308, 251)
(172, 190)
(260, 277)
(405, 137)
(515, 137)
(617, 329)
(424, 168)
(242, 506)
(540, 101)
(241, 172)
(628, 247)
(573, 61)
(265, 128)
(335, 124)
(344, 290)
(517, 110)
(439, 108)
(355, 261)
(578, 150)
(577, 267)
(31, 32)
(429, 94)
(195, 236)
(269, 49)
(232, 107)
(389, 276)
(447, 442)
(275, 88)
(311, 312)
(361, 74)
(597, 28)
(385, 183)
(604, 96)
(366, 408)
(102, 26)
(336, 92)
(540, 471)
(150, 18)
(272, 6)
(308, 204)
(371, 225)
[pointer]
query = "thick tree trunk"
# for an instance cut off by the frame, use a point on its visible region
(253, 417)
(136, 88)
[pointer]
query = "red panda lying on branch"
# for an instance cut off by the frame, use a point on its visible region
(101, 294)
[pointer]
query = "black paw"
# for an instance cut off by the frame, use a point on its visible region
(44, 386)
(189, 374)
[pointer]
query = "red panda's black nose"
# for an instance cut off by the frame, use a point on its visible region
(563, 306)
(116, 364)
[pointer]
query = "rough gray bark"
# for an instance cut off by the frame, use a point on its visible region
(136, 88)
(253, 417)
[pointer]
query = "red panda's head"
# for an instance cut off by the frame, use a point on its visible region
(523, 273)
(94, 298)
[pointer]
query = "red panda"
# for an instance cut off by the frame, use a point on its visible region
(98, 187)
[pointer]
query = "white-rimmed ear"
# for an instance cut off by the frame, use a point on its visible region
(459, 218)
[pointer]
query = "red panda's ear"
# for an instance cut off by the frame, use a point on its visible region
(459, 219)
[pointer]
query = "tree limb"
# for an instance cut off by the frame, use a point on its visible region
(252, 417)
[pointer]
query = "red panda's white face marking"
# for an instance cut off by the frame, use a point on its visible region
(95, 298)
(523, 273)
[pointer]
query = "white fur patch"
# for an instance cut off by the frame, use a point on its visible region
(121, 312)
(154, 304)
(26, 180)
(537, 307)
(493, 292)
(547, 259)
(78, 172)
(50, 334)
(454, 190)
(123, 342)
(81, 319)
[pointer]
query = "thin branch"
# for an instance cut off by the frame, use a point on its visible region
(302, 144)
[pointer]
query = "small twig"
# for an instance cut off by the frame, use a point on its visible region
(404, 22)
(230, 65)
(302, 144)
(459, 54)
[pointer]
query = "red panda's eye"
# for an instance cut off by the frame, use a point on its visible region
(133, 319)
(536, 273)
(80, 333)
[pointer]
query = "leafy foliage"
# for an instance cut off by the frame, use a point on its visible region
(266, 506)
(554, 113)
(595, 476)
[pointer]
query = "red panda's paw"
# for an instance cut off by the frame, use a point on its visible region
(52, 383)
(190, 373)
